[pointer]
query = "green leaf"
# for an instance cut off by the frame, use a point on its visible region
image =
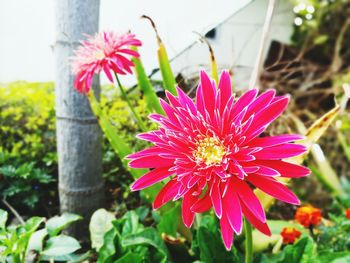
(129, 257)
(36, 240)
(131, 224)
(3, 218)
(144, 83)
(303, 251)
(210, 245)
(334, 257)
(56, 224)
(108, 250)
(61, 245)
(100, 224)
(169, 221)
(142, 212)
(71, 258)
(148, 236)
(321, 39)
(33, 223)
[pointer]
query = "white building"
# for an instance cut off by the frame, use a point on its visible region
(236, 39)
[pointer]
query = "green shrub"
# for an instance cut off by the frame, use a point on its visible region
(27, 136)
(27, 123)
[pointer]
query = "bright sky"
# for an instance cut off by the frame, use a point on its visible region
(27, 30)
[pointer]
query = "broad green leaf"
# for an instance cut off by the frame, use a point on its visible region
(129, 257)
(131, 224)
(334, 257)
(142, 212)
(303, 251)
(61, 245)
(56, 224)
(100, 224)
(71, 258)
(33, 223)
(108, 250)
(169, 221)
(3, 218)
(144, 83)
(36, 240)
(209, 244)
(148, 236)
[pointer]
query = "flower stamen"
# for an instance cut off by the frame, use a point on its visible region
(209, 151)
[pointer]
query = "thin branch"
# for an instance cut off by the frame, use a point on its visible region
(17, 215)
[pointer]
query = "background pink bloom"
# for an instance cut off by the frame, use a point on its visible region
(212, 151)
(107, 51)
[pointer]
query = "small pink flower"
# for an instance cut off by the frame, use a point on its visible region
(212, 152)
(107, 51)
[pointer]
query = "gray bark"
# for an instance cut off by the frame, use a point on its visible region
(78, 134)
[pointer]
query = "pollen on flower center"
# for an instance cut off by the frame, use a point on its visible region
(99, 55)
(209, 151)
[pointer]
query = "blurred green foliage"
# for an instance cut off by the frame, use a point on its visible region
(28, 143)
(319, 32)
(27, 124)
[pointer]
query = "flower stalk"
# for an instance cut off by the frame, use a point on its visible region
(132, 108)
(248, 242)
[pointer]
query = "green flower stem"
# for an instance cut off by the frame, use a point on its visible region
(125, 97)
(248, 242)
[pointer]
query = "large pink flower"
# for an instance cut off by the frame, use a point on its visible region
(105, 51)
(212, 152)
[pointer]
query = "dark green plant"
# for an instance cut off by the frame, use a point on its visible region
(38, 239)
(21, 183)
(126, 239)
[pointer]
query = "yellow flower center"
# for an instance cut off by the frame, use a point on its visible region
(209, 151)
(99, 55)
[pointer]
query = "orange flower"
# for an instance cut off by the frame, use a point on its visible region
(308, 216)
(347, 213)
(290, 234)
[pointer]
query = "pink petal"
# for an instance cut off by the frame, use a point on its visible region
(247, 196)
(245, 100)
(275, 140)
(261, 102)
(203, 204)
(274, 188)
(226, 232)
(208, 92)
(285, 169)
(168, 192)
(149, 151)
(269, 113)
(232, 209)
(187, 213)
(151, 178)
(261, 226)
(267, 171)
(152, 161)
(225, 88)
(216, 198)
(281, 151)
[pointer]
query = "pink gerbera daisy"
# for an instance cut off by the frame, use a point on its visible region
(213, 155)
(105, 51)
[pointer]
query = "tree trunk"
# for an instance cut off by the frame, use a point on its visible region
(78, 134)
